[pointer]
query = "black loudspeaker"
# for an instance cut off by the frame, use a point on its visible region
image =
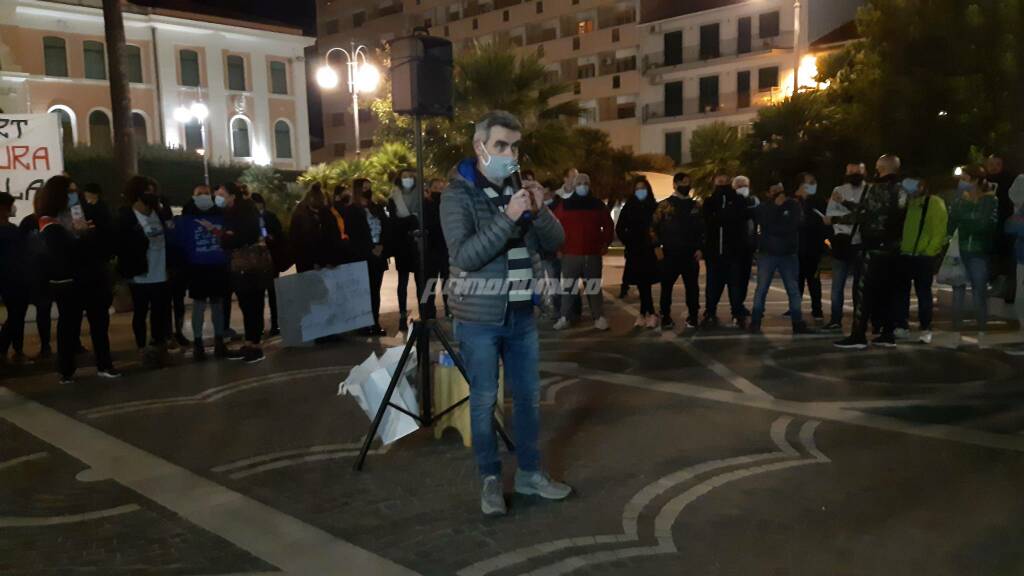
(421, 76)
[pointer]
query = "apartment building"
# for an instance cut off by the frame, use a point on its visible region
(721, 60)
(592, 45)
(250, 75)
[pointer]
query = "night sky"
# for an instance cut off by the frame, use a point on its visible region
(301, 13)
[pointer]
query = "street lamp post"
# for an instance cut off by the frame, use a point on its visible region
(796, 47)
(362, 77)
(199, 112)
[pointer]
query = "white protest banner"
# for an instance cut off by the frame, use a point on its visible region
(323, 302)
(30, 153)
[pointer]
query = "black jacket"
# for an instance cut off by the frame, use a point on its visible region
(96, 247)
(402, 242)
(61, 265)
(728, 217)
(277, 242)
(241, 225)
(813, 231)
(780, 227)
(678, 225)
(132, 244)
(437, 249)
(634, 231)
(14, 265)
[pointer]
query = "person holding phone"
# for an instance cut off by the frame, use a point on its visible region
(813, 233)
(780, 219)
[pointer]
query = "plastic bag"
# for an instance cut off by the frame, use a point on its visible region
(368, 383)
(952, 271)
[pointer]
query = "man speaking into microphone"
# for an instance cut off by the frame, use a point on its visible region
(495, 227)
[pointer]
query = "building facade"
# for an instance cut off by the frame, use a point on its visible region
(251, 77)
(591, 45)
(722, 60)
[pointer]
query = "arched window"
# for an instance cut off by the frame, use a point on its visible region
(240, 145)
(55, 56)
(67, 127)
(139, 131)
(282, 140)
(100, 135)
(193, 135)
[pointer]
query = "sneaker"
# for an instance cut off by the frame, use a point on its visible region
(754, 328)
(691, 323)
(562, 323)
(377, 330)
(403, 324)
(926, 337)
(109, 373)
(787, 314)
(230, 354)
(274, 331)
(601, 323)
(231, 334)
(254, 355)
(740, 323)
(539, 484)
(653, 321)
(641, 321)
(833, 327)
(67, 381)
(801, 328)
(901, 333)
(492, 498)
(710, 322)
(885, 341)
(198, 352)
(181, 340)
(667, 323)
(624, 292)
(851, 343)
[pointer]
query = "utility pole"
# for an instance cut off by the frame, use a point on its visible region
(125, 161)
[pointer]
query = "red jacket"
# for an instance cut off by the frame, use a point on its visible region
(588, 226)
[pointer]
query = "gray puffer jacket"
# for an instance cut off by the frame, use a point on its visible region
(477, 234)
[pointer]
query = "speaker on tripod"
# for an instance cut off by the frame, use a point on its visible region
(421, 85)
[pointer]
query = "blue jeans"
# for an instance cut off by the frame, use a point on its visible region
(841, 271)
(789, 269)
(977, 274)
(515, 344)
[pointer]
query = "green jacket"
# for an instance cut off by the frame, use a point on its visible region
(929, 239)
(977, 222)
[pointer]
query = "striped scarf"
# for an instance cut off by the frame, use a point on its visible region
(520, 267)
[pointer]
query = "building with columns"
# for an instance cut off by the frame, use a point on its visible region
(250, 75)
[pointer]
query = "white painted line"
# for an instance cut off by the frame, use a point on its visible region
(287, 462)
(15, 461)
(286, 453)
(274, 537)
(809, 410)
(741, 383)
(35, 522)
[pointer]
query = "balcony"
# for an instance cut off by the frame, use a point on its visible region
(618, 66)
(544, 35)
(396, 8)
(499, 4)
(655, 61)
(654, 113)
(475, 9)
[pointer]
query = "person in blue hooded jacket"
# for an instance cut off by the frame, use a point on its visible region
(206, 267)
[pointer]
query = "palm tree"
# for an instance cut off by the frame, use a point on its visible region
(714, 149)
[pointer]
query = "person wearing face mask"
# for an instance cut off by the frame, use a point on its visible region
(369, 230)
(975, 216)
(924, 236)
(402, 209)
(15, 287)
(779, 220)
(273, 235)
(206, 267)
(589, 231)
(315, 239)
(728, 217)
(634, 230)
(142, 260)
(1015, 227)
(879, 219)
(679, 230)
(813, 232)
(845, 242)
(490, 237)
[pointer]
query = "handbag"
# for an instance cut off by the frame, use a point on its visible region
(952, 272)
(252, 259)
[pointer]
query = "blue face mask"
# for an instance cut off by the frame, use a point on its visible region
(408, 183)
(220, 201)
(964, 186)
(582, 190)
(811, 189)
(641, 194)
(497, 168)
(73, 199)
(204, 202)
(911, 185)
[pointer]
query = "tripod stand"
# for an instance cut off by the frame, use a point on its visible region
(419, 339)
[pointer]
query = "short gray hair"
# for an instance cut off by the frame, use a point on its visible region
(492, 119)
(740, 181)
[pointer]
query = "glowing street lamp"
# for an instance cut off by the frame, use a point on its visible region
(362, 77)
(199, 112)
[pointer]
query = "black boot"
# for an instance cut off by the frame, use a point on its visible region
(198, 351)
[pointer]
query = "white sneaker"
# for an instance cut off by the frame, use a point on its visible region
(653, 321)
(641, 321)
(562, 323)
(601, 323)
(926, 337)
(901, 333)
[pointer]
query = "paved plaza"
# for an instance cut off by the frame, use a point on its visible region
(711, 453)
